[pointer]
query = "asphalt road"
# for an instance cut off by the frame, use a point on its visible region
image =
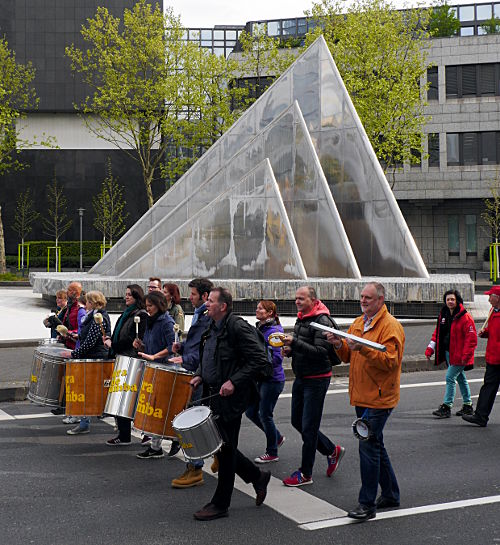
(60, 489)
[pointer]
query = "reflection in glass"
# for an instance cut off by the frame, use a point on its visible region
(466, 13)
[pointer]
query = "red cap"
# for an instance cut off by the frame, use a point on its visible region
(495, 290)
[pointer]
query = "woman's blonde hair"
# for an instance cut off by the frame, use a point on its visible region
(96, 299)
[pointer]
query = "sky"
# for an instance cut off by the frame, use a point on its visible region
(207, 13)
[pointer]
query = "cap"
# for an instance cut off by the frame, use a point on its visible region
(495, 290)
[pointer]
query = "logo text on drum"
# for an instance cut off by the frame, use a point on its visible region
(144, 406)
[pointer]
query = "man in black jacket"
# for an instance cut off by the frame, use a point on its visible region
(231, 361)
(313, 370)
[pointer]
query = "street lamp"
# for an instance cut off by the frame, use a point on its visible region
(80, 213)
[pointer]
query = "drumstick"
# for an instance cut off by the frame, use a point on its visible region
(137, 321)
(62, 330)
(176, 333)
(360, 340)
(98, 320)
(485, 322)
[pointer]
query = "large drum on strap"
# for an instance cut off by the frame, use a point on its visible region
(165, 392)
(87, 385)
(125, 386)
(197, 433)
(46, 384)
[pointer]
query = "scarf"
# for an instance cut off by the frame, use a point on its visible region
(121, 321)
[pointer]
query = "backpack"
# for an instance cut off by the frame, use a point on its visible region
(332, 354)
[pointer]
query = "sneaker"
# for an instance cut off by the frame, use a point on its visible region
(174, 449)
(151, 453)
(334, 460)
(146, 440)
(117, 442)
(57, 411)
(466, 409)
(297, 479)
(70, 420)
(444, 411)
(266, 459)
(77, 430)
(191, 477)
(281, 440)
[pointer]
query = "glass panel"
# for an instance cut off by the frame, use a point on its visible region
(470, 234)
(218, 34)
(290, 27)
(470, 150)
(467, 31)
(481, 31)
(483, 11)
(452, 149)
(496, 10)
(206, 43)
(432, 80)
(451, 73)
(487, 79)
(301, 26)
(206, 34)
(466, 13)
(433, 149)
(488, 148)
(230, 34)
(274, 28)
(220, 51)
(453, 236)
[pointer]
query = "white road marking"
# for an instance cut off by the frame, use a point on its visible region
(28, 416)
(422, 510)
(5, 416)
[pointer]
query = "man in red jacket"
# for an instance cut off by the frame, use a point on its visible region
(491, 382)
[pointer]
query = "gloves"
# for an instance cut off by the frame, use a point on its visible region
(429, 351)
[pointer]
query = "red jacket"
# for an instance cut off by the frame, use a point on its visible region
(492, 333)
(70, 320)
(463, 338)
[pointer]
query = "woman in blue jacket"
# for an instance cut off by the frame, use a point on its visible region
(261, 413)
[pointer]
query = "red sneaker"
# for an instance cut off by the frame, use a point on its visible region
(266, 459)
(334, 460)
(297, 479)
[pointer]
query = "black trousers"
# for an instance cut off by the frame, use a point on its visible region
(488, 391)
(124, 425)
(231, 462)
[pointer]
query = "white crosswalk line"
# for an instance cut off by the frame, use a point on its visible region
(5, 416)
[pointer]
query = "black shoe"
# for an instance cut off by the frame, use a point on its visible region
(57, 411)
(174, 449)
(466, 409)
(474, 419)
(443, 412)
(210, 512)
(386, 503)
(362, 512)
(260, 487)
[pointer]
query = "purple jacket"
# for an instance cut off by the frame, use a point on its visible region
(266, 330)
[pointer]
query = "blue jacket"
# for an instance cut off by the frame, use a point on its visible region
(160, 336)
(190, 348)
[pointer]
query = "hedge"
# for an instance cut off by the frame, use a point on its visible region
(70, 253)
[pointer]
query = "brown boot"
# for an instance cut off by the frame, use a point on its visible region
(215, 464)
(190, 477)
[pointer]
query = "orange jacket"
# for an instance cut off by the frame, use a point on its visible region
(374, 376)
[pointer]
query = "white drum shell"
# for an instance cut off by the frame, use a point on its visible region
(125, 387)
(47, 374)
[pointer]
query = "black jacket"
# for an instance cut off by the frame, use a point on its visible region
(91, 345)
(310, 347)
(123, 345)
(239, 358)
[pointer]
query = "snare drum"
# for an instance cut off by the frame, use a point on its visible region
(46, 385)
(87, 385)
(197, 432)
(165, 392)
(125, 386)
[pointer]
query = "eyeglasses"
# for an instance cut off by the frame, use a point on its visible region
(153, 288)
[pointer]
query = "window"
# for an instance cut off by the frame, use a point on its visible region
(466, 13)
(496, 10)
(473, 80)
(274, 28)
(470, 235)
(452, 149)
(488, 79)
(290, 27)
(433, 149)
(467, 31)
(432, 80)
(483, 12)
(473, 148)
(488, 148)
(453, 236)
(451, 81)
(470, 148)
(469, 80)
(218, 34)
(206, 34)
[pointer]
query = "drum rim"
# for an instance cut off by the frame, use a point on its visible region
(209, 414)
(169, 367)
(129, 358)
(75, 360)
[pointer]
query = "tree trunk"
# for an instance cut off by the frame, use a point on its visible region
(22, 254)
(148, 178)
(3, 264)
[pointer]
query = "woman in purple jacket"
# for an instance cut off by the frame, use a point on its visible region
(261, 413)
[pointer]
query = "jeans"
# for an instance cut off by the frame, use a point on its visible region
(488, 391)
(308, 397)
(374, 461)
(261, 413)
(454, 374)
(85, 423)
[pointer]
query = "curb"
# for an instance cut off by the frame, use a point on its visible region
(13, 391)
(20, 343)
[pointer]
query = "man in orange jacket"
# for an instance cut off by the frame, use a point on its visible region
(374, 379)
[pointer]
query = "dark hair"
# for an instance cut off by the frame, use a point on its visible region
(158, 299)
(270, 306)
(457, 295)
(155, 279)
(224, 297)
(173, 289)
(137, 293)
(201, 285)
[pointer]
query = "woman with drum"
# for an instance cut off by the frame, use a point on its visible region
(173, 296)
(156, 346)
(454, 341)
(261, 413)
(91, 342)
(121, 343)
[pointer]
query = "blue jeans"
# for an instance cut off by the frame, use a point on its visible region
(454, 374)
(308, 397)
(261, 413)
(85, 423)
(374, 461)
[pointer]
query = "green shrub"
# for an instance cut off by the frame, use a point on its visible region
(70, 253)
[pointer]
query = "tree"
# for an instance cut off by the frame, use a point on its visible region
(491, 26)
(491, 214)
(3, 264)
(25, 216)
(443, 22)
(381, 55)
(141, 71)
(108, 207)
(56, 223)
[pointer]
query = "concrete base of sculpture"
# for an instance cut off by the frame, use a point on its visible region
(398, 290)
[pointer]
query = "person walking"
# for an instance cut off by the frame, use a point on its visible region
(454, 341)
